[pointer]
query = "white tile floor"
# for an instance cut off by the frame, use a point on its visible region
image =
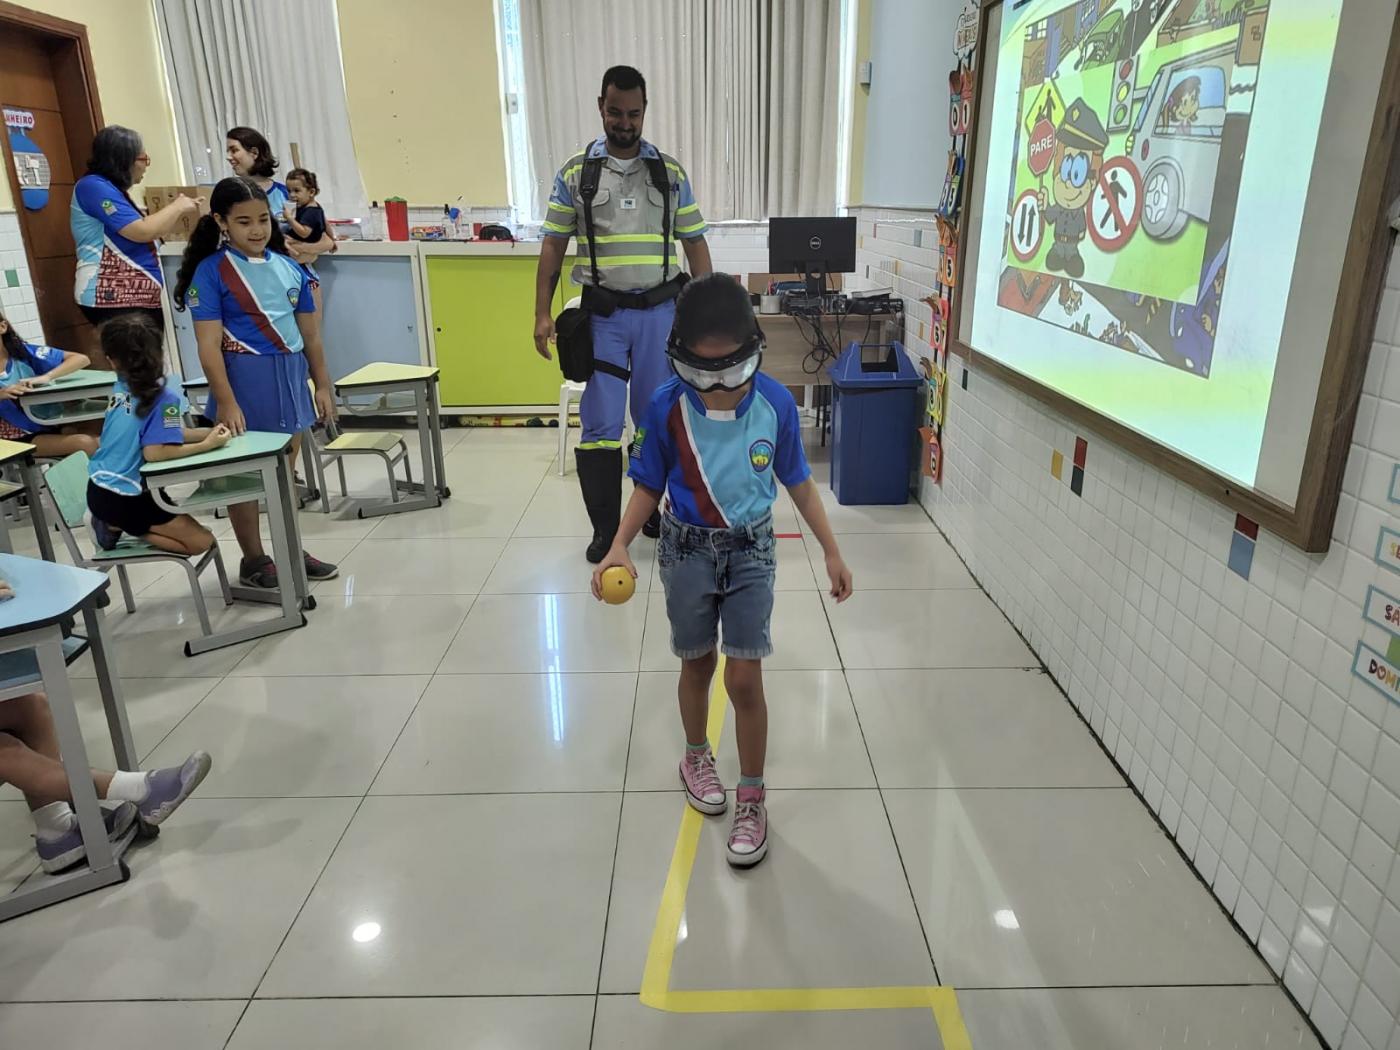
(443, 814)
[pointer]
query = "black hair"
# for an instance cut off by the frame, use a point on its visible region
(714, 306)
(15, 346)
(134, 345)
(624, 78)
(304, 176)
(251, 139)
(114, 153)
(207, 235)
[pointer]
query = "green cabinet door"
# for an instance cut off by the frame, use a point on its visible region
(483, 309)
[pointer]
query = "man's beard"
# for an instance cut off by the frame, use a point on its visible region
(621, 139)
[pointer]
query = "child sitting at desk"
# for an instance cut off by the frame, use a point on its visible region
(25, 367)
(30, 761)
(145, 424)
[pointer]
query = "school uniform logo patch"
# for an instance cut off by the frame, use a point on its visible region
(171, 414)
(761, 455)
(293, 294)
(192, 296)
(108, 207)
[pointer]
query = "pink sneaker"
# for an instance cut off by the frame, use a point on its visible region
(703, 789)
(748, 840)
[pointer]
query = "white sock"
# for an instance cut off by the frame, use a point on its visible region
(54, 820)
(128, 786)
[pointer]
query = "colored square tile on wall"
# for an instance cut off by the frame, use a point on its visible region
(1241, 554)
(1246, 527)
(1392, 653)
(11, 278)
(1076, 481)
(964, 379)
(1057, 465)
(1081, 452)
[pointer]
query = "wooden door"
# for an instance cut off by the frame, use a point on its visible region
(43, 77)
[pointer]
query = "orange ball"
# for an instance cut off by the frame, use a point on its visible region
(617, 585)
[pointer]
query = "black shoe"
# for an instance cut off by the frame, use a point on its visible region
(1074, 264)
(600, 480)
(652, 529)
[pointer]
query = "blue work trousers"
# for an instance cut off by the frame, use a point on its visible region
(632, 339)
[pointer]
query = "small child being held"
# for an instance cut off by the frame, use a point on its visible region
(303, 217)
(28, 366)
(144, 424)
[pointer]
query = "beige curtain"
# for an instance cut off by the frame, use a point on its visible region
(270, 65)
(742, 92)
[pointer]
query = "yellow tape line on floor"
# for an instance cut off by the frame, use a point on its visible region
(656, 977)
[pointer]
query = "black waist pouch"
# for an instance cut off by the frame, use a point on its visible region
(573, 336)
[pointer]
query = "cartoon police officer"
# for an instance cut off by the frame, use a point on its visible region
(1079, 144)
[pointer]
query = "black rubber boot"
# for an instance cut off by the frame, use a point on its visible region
(600, 479)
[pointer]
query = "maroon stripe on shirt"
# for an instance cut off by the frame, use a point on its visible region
(690, 468)
(233, 281)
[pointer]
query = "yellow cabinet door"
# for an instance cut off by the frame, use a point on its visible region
(483, 310)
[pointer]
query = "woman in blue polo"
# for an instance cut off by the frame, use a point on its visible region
(117, 267)
(259, 341)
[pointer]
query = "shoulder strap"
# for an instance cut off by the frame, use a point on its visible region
(587, 190)
(662, 181)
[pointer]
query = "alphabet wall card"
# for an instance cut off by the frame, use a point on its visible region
(931, 462)
(961, 88)
(938, 395)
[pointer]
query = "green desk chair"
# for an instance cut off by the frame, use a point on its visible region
(66, 486)
(388, 446)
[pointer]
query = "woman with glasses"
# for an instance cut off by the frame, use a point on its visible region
(118, 271)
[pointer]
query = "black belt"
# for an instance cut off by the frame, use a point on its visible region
(603, 301)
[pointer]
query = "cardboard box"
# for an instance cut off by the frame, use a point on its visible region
(157, 197)
(757, 283)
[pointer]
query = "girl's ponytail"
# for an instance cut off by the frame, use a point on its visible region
(203, 243)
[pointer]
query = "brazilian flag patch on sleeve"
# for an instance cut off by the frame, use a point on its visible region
(637, 440)
(171, 414)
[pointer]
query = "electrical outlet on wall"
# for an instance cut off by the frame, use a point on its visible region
(864, 71)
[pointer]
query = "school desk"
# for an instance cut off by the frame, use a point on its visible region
(75, 398)
(21, 454)
(32, 658)
(421, 382)
(251, 467)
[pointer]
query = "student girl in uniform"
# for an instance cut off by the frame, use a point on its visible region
(259, 339)
(27, 366)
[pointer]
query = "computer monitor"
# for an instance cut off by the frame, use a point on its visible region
(813, 246)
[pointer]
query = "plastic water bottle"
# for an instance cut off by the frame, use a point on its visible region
(449, 225)
(374, 224)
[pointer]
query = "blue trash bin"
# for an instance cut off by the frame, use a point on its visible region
(874, 416)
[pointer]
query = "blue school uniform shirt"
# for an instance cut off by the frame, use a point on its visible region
(117, 465)
(256, 299)
(719, 469)
(46, 359)
(277, 197)
(111, 270)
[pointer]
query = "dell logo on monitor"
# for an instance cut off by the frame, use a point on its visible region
(815, 244)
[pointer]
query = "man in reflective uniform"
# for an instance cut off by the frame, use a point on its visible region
(631, 275)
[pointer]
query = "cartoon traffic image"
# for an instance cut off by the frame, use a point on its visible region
(1134, 122)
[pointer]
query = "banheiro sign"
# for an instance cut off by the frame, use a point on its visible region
(19, 118)
(1042, 147)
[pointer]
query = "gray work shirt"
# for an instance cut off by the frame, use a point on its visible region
(627, 218)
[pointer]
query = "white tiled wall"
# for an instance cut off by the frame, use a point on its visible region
(17, 304)
(1230, 704)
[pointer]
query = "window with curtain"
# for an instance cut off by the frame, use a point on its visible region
(745, 93)
(250, 62)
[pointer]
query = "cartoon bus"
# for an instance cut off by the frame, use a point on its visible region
(1176, 139)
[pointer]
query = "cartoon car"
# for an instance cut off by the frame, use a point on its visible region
(1100, 46)
(1177, 140)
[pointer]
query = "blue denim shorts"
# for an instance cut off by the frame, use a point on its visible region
(714, 577)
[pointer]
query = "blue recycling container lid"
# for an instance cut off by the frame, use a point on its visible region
(874, 366)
